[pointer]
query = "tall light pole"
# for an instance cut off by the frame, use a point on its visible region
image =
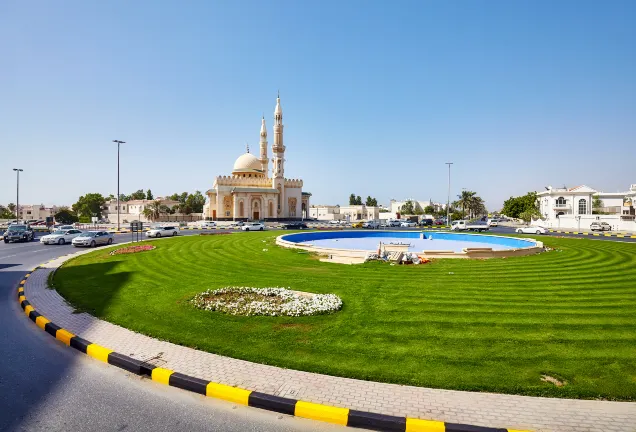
(17, 193)
(448, 221)
(118, 144)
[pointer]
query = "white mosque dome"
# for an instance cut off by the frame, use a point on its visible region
(247, 163)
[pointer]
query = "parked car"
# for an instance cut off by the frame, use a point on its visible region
(493, 223)
(462, 225)
(600, 226)
(439, 222)
(164, 231)
(207, 224)
(408, 224)
(334, 222)
(93, 238)
(253, 226)
(371, 224)
(531, 230)
(58, 227)
(357, 225)
(426, 222)
(394, 223)
(61, 236)
(237, 224)
(295, 225)
(18, 233)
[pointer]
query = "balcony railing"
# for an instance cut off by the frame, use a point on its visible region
(562, 206)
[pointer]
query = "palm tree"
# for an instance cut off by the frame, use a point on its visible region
(464, 201)
(477, 206)
(153, 210)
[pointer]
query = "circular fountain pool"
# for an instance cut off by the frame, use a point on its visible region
(432, 244)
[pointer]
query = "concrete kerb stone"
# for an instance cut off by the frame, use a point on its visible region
(310, 410)
(289, 406)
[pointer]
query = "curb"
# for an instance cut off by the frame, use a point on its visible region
(298, 408)
(593, 234)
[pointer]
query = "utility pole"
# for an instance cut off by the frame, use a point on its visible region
(17, 198)
(448, 221)
(118, 144)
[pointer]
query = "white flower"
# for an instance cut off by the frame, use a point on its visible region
(266, 301)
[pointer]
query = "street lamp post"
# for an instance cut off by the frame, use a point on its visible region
(448, 221)
(118, 144)
(17, 193)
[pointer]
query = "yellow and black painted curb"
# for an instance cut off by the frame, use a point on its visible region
(594, 234)
(309, 410)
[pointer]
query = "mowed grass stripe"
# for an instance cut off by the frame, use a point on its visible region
(493, 325)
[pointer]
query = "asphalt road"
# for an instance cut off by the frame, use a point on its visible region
(45, 386)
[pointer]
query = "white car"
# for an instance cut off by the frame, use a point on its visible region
(207, 224)
(334, 222)
(408, 224)
(164, 231)
(253, 226)
(58, 227)
(371, 224)
(531, 230)
(493, 223)
(61, 236)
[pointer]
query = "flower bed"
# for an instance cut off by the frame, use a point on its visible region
(132, 249)
(266, 301)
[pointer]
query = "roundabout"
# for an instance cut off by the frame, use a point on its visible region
(493, 325)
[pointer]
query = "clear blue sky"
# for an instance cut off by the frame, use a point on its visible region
(376, 95)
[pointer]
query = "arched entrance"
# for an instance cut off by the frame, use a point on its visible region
(256, 210)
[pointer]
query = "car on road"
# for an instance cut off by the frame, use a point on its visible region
(493, 223)
(295, 225)
(600, 226)
(462, 225)
(439, 222)
(357, 224)
(371, 224)
(58, 227)
(531, 230)
(93, 238)
(207, 224)
(253, 226)
(426, 222)
(408, 224)
(18, 233)
(335, 222)
(61, 236)
(237, 224)
(162, 231)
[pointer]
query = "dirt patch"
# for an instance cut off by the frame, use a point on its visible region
(295, 326)
(557, 382)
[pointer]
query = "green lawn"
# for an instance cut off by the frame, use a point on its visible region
(494, 325)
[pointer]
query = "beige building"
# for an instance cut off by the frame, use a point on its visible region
(36, 212)
(250, 193)
(132, 210)
(346, 213)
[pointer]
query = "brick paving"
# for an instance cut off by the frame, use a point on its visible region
(485, 409)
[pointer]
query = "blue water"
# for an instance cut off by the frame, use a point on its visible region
(369, 240)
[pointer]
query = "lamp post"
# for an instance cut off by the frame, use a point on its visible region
(118, 144)
(448, 221)
(17, 193)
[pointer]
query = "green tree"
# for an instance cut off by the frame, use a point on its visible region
(464, 200)
(137, 195)
(597, 205)
(65, 216)
(407, 208)
(529, 214)
(514, 206)
(149, 195)
(371, 202)
(352, 199)
(153, 210)
(5, 213)
(195, 202)
(429, 210)
(11, 208)
(89, 205)
(358, 200)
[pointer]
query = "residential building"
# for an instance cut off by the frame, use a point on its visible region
(573, 207)
(132, 210)
(36, 212)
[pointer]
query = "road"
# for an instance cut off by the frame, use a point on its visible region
(45, 386)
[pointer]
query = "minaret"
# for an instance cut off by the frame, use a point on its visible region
(264, 159)
(278, 150)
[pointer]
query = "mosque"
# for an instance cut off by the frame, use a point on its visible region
(250, 193)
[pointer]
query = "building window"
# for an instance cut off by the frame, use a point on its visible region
(582, 206)
(560, 202)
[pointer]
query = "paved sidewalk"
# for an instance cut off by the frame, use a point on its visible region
(487, 409)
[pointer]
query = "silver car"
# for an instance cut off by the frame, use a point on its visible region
(93, 238)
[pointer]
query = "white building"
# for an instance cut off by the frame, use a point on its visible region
(346, 213)
(35, 212)
(418, 206)
(573, 208)
(250, 193)
(132, 210)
